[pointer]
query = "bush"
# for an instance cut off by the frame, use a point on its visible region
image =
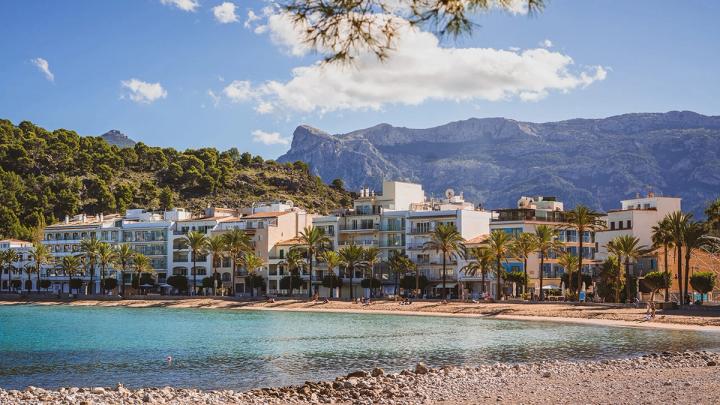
(15, 284)
(655, 280)
(207, 282)
(109, 284)
(574, 280)
(45, 284)
(332, 281)
(145, 278)
(370, 283)
(703, 282)
(292, 282)
(408, 283)
(76, 283)
(256, 281)
(179, 283)
(515, 277)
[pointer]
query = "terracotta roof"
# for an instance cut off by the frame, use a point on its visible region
(476, 239)
(293, 241)
(272, 214)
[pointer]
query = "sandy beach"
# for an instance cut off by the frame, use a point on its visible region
(597, 314)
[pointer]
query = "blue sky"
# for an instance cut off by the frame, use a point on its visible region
(630, 56)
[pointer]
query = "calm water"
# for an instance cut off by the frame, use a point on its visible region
(212, 349)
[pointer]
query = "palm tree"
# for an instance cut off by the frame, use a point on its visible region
(482, 259)
(662, 238)
(313, 240)
(90, 248)
(252, 263)
(105, 257)
(237, 243)
(197, 243)
(571, 264)
(627, 248)
(712, 212)
(295, 260)
(216, 247)
(39, 255)
(141, 263)
(694, 239)
(583, 219)
(29, 269)
(446, 239)
(124, 255)
(70, 265)
(398, 263)
(545, 243)
(353, 258)
(332, 259)
(498, 243)
(677, 224)
(523, 245)
(372, 256)
(7, 258)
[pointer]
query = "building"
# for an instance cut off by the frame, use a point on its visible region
(13, 277)
(530, 213)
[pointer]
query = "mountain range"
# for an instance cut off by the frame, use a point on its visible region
(494, 161)
(117, 138)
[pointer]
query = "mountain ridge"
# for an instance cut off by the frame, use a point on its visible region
(595, 161)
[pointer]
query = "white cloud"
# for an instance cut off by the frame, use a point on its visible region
(265, 107)
(215, 98)
(44, 67)
(546, 43)
(143, 92)
(251, 18)
(269, 138)
(418, 70)
(185, 5)
(225, 13)
(239, 90)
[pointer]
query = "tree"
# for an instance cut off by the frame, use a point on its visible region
(371, 283)
(677, 224)
(445, 239)
(109, 284)
(252, 263)
(39, 255)
(523, 245)
(656, 280)
(372, 256)
(662, 238)
(124, 255)
(141, 263)
(399, 263)
(712, 213)
(545, 243)
(582, 219)
(197, 243)
(570, 263)
(703, 282)
(217, 248)
(90, 247)
(481, 261)
(106, 255)
(332, 281)
(180, 283)
(338, 184)
(313, 240)
(353, 259)
(342, 29)
(414, 283)
(45, 284)
(517, 277)
(332, 259)
(498, 244)
(694, 239)
(7, 258)
(29, 269)
(237, 243)
(295, 261)
(70, 265)
(166, 198)
(627, 248)
(291, 283)
(609, 276)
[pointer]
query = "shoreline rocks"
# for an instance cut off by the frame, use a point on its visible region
(681, 377)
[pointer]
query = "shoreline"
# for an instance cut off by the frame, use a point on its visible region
(597, 315)
(680, 377)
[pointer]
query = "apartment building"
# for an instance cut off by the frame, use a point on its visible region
(530, 213)
(14, 277)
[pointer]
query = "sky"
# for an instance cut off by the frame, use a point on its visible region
(195, 73)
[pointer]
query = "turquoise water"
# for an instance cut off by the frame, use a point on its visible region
(212, 349)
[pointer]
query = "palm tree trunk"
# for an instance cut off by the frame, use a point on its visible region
(525, 282)
(444, 293)
(37, 280)
(234, 269)
(542, 270)
(122, 282)
(214, 278)
(667, 274)
(417, 281)
(482, 282)
(627, 280)
(499, 288)
(352, 270)
(194, 271)
(679, 271)
(91, 287)
(687, 273)
(397, 282)
(29, 283)
(252, 285)
(580, 260)
(310, 260)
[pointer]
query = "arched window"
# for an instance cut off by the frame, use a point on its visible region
(179, 271)
(199, 270)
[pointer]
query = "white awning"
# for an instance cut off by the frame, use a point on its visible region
(551, 287)
(447, 285)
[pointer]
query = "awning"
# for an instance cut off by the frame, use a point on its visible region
(146, 285)
(447, 285)
(550, 287)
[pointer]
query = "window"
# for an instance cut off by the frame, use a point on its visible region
(612, 226)
(620, 224)
(199, 270)
(282, 253)
(179, 271)
(629, 224)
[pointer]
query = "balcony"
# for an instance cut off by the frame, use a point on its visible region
(363, 243)
(358, 228)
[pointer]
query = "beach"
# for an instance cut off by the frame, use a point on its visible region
(680, 377)
(597, 314)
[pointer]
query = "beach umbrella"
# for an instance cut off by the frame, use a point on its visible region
(146, 285)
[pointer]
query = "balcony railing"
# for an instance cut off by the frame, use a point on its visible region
(358, 228)
(363, 243)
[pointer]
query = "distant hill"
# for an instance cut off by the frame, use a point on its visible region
(496, 160)
(45, 175)
(117, 138)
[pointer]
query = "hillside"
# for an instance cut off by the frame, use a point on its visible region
(496, 160)
(46, 175)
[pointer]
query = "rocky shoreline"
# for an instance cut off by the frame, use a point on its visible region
(682, 377)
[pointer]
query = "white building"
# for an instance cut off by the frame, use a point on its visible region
(13, 277)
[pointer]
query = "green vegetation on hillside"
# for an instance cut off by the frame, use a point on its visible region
(46, 175)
